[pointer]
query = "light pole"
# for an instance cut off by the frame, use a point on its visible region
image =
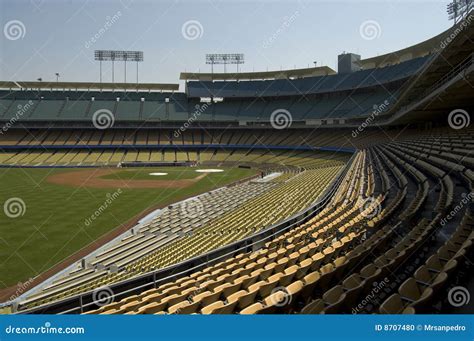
(112, 55)
(57, 77)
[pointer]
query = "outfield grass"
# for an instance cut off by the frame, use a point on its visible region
(53, 225)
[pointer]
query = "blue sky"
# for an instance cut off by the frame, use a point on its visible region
(57, 36)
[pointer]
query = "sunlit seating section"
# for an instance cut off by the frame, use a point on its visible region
(174, 239)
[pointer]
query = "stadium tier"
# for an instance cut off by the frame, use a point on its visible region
(80, 106)
(383, 225)
(335, 96)
(359, 199)
(331, 262)
(308, 85)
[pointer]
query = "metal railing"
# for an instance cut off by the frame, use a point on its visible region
(466, 63)
(390, 116)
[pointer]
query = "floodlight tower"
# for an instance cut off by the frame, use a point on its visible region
(109, 55)
(225, 58)
(458, 9)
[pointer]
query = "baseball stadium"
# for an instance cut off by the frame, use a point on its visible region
(302, 190)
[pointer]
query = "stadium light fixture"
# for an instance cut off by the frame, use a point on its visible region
(458, 9)
(111, 55)
(225, 58)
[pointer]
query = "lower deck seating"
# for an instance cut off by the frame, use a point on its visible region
(278, 199)
(332, 262)
(387, 242)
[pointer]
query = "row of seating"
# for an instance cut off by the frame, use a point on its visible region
(162, 137)
(416, 294)
(248, 217)
(313, 252)
(98, 157)
(398, 199)
(381, 224)
(348, 291)
(419, 292)
(172, 223)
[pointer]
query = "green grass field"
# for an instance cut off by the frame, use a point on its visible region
(53, 225)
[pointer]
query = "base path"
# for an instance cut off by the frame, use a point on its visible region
(92, 178)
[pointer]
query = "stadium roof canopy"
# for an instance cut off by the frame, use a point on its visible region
(89, 86)
(415, 51)
(281, 74)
